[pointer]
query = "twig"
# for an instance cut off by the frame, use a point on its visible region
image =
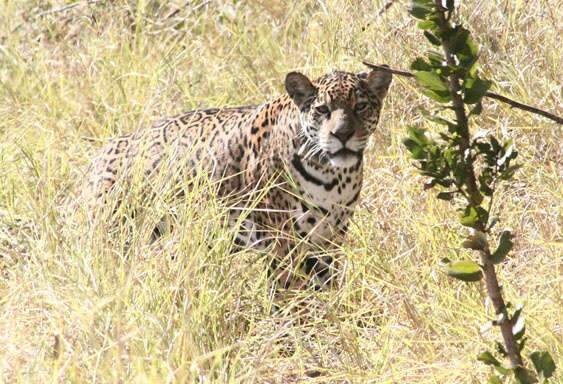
(525, 107)
(192, 10)
(176, 11)
(63, 8)
(386, 6)
(491, 95)
(56, 10)
(381, 11)
(387, 69)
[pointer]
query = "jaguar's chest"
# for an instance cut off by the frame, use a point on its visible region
(327, 197)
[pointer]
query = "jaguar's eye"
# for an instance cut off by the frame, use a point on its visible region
(360, 107)
(322, 109)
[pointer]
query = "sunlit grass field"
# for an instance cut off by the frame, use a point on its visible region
(83, 303)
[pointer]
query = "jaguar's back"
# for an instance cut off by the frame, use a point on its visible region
(210, 138)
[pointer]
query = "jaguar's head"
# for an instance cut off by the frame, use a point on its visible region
(338, 111)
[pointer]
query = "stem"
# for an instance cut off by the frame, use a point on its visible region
(488, 225)
(459, 108)
(475, 199)
(495, 294)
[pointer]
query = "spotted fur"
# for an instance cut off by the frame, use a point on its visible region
(307, 143)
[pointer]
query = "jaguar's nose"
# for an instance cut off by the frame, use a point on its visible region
(344, 133)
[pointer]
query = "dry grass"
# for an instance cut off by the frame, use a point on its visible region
(79, 307)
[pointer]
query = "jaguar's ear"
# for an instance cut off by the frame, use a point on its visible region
(299, 88)
(378, 82)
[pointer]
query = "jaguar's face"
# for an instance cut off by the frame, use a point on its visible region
(339, 112)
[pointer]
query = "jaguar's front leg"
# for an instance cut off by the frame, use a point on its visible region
(299, 269)
(321, 262)
(320, 270)
(325, 268)
(284, 267)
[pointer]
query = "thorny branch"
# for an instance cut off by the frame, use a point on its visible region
(491, 95)
(475, 197)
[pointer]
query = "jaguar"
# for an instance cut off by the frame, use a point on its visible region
(304, 149)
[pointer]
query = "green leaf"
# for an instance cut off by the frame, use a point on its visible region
(439, 96)
(460, 173)
(484, 147)
(441, 121)
(485, 189)
(445, 261)
(483, 215)
(466, 51)
(543, 363)
(522, 344)
(421, 8)
(507, 153)
(472, 67)
(494, 379)
(446, 195)
(438, 120)
(432, 39)
(459, 40)
(504, 247)
(431, 80)
(476, 110)
(524, 376)
(436, 58)
(426, 24)
(465, 270)
(418, 135)
(416, 150)
(469, 218)
(495, 145)
(517, 313)
(488, 358)
(417, 143)
(475, 89)
(473, 48)
(510, 171)
(503, 371)
(477, 241)
(446, 183)
(420, 65)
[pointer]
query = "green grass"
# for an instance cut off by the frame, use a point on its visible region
(80, 304)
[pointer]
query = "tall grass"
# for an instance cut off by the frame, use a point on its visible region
(82, 304)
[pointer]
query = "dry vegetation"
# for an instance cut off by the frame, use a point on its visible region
(93, 306)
